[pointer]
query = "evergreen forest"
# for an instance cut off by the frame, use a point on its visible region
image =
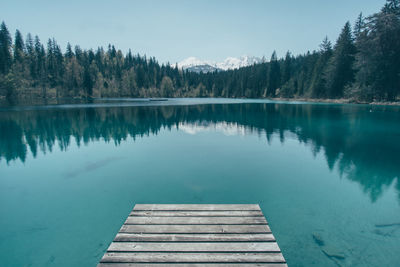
(362, 65)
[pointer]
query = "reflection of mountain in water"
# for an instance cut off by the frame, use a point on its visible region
(363, 143)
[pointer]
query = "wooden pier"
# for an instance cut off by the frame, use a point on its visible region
(194, 235)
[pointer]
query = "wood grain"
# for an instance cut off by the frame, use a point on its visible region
(194, 235)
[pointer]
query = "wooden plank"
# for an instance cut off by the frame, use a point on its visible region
(193, 247)
(199, 229)
(231, 213)
(195, 220)
(191, 264)
(149, 257)
(194, 237)
(196, 207)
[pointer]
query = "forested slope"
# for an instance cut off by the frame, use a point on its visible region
(362, 65)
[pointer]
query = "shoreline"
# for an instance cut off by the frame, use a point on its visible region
(55, 100)
(337, 101)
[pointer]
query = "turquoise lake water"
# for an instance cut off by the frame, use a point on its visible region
(70, 174)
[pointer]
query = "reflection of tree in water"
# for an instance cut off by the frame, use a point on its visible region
(361, 142)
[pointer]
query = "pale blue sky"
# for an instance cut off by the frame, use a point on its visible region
(174, 30)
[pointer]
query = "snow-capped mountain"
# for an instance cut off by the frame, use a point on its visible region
(198, 65)
(235, 63)
(191, 62)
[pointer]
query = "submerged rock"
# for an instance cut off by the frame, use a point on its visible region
(51, 259)
(318, 239)
(333, 252)
(387, 233)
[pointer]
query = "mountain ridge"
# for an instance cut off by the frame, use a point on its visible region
(197, 65)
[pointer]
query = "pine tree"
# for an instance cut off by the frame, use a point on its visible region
(287, 68)
(59, 60)
(69, 53)
(30, 50)
(274, 75)
(5, 49)
(340, 72)
(359, 26)
(40, 65)
(19, 47)
(50, 63)
(29, 44)
(392, 6)
(318, 82)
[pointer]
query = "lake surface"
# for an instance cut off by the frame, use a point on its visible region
(70, 174)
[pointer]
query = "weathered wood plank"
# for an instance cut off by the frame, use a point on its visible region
(149, 257)
(206, 229)
(231, 213)
(191, 264)
(195, 220)
(194, 237)
(193, 247)
(196, 207)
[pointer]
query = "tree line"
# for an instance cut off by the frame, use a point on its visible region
(363, 65)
